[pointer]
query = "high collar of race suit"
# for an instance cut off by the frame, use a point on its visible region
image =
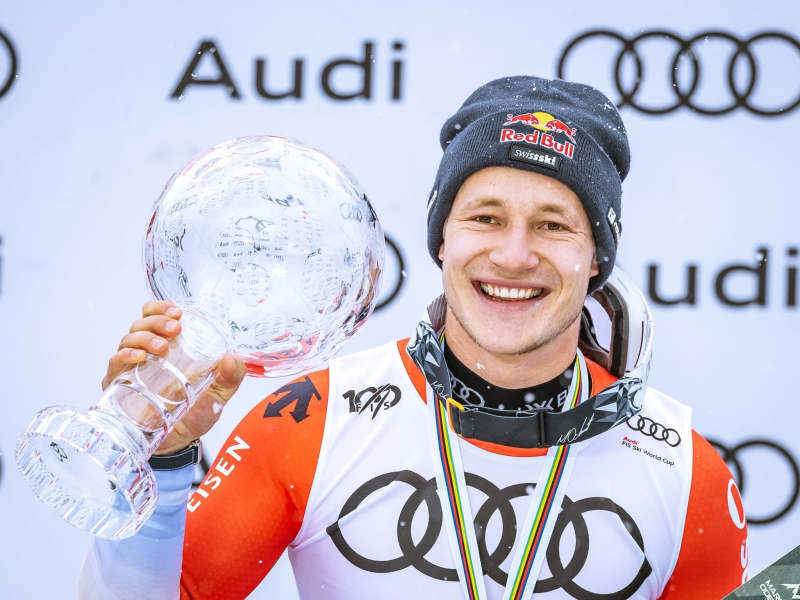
(502, 416)
(520, 423)
(470, 389)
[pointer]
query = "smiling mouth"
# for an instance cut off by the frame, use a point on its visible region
(509, 294)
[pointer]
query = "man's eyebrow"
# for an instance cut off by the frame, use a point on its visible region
(555, 208)
(493, 202)
(486, 202)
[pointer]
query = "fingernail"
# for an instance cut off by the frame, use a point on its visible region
(159, 344)
(174, 311)
(171, 326)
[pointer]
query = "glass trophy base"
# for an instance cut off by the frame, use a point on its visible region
(89, 470)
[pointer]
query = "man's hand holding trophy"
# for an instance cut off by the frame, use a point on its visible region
(263, 255)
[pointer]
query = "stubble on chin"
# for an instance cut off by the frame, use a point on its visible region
(525, 346)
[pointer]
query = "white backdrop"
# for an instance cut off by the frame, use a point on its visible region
(90, 133)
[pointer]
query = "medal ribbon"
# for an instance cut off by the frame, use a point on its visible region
(528, 556)
(453, 488)
(549, 492)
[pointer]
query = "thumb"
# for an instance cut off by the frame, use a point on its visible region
(230, 373)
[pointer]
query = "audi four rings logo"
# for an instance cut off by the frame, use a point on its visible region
(687, 70)
(570, 521)
(654, 429)
(11, 62)
(733, 456)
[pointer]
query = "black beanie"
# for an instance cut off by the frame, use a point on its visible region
(568, 131)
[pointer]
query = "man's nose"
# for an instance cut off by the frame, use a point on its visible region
(515, 249)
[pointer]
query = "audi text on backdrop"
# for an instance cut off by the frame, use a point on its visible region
(363, 65)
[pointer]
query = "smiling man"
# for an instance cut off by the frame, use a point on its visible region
(519, 250)
(485, 458)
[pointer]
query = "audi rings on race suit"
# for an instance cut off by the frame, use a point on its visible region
(570, 520)
(654, 429)
(685, 49)
(733, 457)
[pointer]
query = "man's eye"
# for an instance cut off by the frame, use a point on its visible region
(485, 219)
(551, 226)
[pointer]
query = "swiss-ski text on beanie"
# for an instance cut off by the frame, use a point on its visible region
(565, 130)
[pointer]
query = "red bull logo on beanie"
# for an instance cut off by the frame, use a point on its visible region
(545, 125)
(528, 119)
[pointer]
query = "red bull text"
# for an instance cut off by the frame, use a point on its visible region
(539, 138)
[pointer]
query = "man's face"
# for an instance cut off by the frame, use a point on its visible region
(517, 257)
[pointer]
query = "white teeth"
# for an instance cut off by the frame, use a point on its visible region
(511, 293)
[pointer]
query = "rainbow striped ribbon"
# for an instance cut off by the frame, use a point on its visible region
(529, 551)
(471, 572)
(527, 559)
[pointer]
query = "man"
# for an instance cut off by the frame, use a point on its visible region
(394, 484)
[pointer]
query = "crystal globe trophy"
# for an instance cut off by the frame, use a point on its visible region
(274, 254)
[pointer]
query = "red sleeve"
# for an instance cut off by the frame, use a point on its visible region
(713, 557)
(250, 505)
